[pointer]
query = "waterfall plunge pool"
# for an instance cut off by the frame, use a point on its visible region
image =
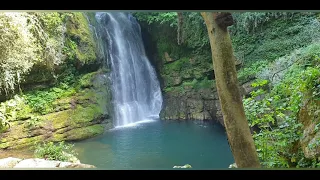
(158, 145)
(137, 95)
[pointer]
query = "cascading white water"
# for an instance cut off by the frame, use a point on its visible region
(136, 90)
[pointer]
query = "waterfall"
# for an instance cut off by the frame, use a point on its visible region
(135, 88)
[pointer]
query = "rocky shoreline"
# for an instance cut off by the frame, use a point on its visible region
(12, 162)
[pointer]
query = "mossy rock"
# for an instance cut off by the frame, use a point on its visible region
(86, 81)
(78, 116)
(21, 143)
(84, 133)
(39, 77)
(80, 39)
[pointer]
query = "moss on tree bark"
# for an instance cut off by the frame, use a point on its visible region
(236, 124)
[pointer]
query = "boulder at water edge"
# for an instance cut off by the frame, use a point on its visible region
(39, 163)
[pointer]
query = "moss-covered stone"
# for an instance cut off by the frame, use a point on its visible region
(68, 96)
(86, 81)
(21, 143)
(85, 132)
(80, 133)
(79, 116)
(39, 77)
(80, 38)
(187, 76)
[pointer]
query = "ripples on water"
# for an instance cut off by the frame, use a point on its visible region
(158, 145)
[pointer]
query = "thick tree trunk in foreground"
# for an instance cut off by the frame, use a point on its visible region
(239, 136)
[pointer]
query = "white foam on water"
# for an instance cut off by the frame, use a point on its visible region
(135, 124)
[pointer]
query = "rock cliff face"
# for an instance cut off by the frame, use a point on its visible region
(196, 105)
(200, 105)
(186, 79)
(186, 75)
(80, 116)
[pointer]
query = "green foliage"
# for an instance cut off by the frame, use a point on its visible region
(250, 72)
(3, 122)
(272, 39)
(34, 121)
(157, 17)
(279, 50)
(165, 45)
(250, 21)
(12, 110)
(310, 56)
(178, 65)
(41, 100)
(275, 112)
(259, 83)
(78, 45)
(258, 37)
(194, 30)
(190, 61)
(205, 84)
(194, 73)
(41, 40)
(195, 33)
(168, 89)
(68, 85)
(51, 22)
(86, 80)
(18, 49)
(80, 42)
(163, 28)
(51, 151)
(15, 108)
(49, 30)
(194, 84)
(199, 84)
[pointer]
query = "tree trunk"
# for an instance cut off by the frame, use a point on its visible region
(236, 124)
(180, 24)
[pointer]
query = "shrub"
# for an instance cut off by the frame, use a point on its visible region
(52, 151)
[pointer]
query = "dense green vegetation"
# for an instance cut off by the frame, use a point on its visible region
(283, 54)
(274, 107)
(58, 152)
(49, 63)
(267, 41)
(46, 57)
(183, 64)
(279, 52)
(39, 42)
(41, 101)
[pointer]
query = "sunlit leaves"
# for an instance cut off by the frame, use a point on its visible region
(157, 17)
(18, 49)
(250, 21)
(275, 111)
(55, 151)
(27, 39)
